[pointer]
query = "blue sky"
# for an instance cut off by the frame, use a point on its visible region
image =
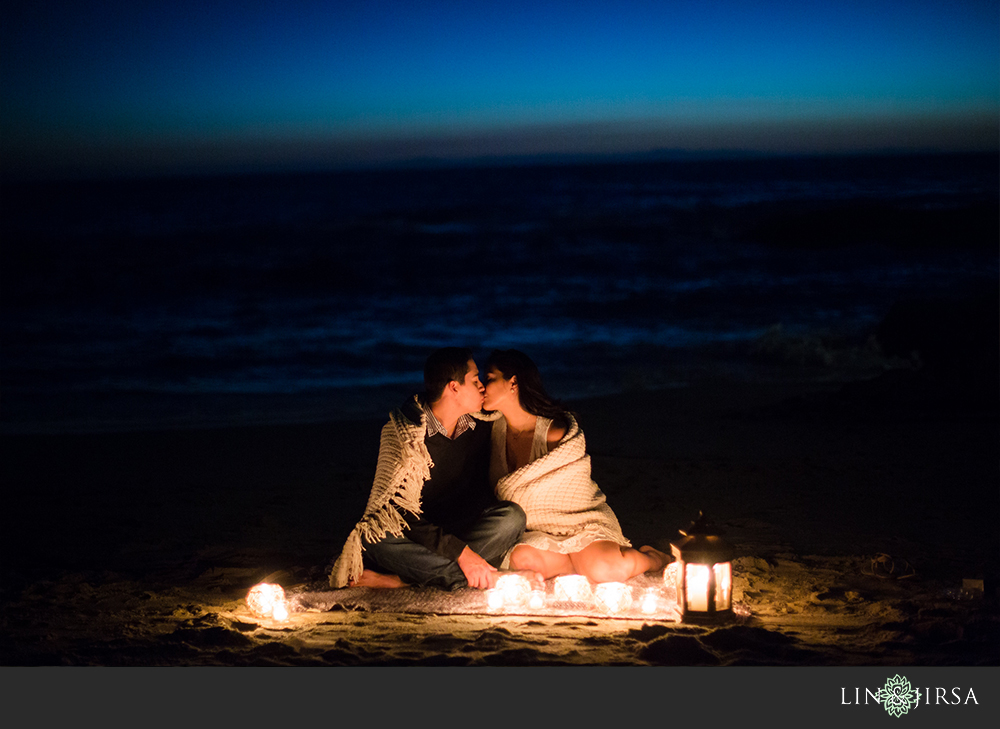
(172, 86)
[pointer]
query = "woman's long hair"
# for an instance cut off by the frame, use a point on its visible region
(530, 391)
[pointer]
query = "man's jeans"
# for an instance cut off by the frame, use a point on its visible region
(496, 531)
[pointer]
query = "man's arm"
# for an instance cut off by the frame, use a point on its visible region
(433, 537)
(475, 568)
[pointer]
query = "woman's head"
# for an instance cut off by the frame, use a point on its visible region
(511, 373)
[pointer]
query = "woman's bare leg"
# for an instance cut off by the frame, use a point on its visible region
(547, 564)
(605, 561)
(658, 559)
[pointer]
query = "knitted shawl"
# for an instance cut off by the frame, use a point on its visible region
(558, 495)
(404, 465)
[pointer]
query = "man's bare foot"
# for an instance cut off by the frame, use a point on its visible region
(659, 559)
(535, 578)
(376, 579)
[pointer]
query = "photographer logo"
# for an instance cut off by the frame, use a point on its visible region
(898, 697)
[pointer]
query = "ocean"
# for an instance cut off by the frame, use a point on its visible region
(244, 300)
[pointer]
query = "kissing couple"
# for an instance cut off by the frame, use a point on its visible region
(476, 479)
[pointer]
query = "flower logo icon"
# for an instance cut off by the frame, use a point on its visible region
(898, 696)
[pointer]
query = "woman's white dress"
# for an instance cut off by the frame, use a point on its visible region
(593, 519)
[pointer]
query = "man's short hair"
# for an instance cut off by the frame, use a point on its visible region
(443, 366)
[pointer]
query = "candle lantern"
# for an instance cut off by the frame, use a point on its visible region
(702, 574)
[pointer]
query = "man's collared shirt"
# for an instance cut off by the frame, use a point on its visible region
(466, 422)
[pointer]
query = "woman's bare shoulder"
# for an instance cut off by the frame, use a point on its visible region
(557, 431)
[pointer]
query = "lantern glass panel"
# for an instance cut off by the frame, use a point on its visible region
(723, 585)
(696, 587)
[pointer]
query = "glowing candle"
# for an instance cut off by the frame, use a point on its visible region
(515, 588)
(267, 601)
(494, 598)
(697, 587)
(650, 601)
(280, 611)
(536, 601)
(573, 588)
(614, 597)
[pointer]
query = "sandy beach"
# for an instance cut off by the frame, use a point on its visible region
(857, 511)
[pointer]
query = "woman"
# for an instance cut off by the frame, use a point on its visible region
(539, 461)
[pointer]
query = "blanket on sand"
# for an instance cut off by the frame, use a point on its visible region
(647, 598)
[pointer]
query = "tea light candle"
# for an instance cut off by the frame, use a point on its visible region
(614, 597)
(514, 588)
(573, 588)
(267, 601)
(280, 611)
(536, 600)
(650, 601)
(494, 598)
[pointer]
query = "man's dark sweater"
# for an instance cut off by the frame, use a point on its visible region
(458, 490)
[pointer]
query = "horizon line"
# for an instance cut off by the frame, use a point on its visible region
(434, 163)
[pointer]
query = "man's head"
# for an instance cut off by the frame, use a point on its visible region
(451, 372)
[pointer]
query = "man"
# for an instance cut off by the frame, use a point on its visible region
(432, 518)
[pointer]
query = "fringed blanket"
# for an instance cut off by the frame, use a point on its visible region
(566, 510)
(404, 465)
